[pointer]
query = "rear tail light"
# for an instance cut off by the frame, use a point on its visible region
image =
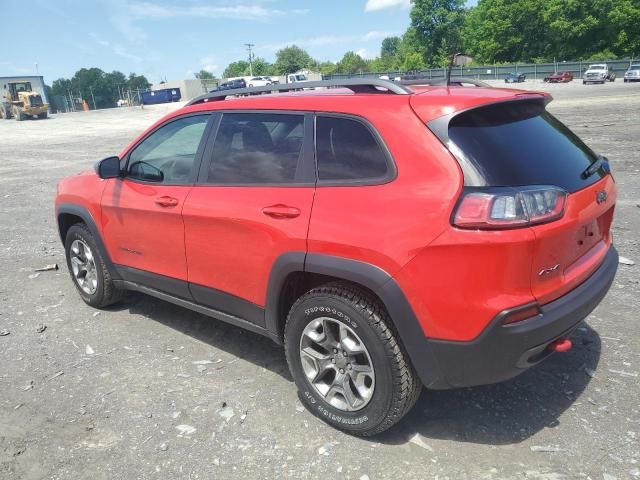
(509, 207)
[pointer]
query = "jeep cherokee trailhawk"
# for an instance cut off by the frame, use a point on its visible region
(389, 235)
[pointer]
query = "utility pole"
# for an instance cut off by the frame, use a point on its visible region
(249, 47)
(93, 98)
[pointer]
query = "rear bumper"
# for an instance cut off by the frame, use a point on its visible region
(503, 351)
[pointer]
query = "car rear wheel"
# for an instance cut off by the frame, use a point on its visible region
(350, 369)
(88, 270)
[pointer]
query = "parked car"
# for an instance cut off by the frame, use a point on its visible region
(515, 78)
(633, 73)
(559, 77)
(598, 73)
(259, 81)
(417, 247)
(233, 84)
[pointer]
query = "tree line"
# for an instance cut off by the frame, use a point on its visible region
(93, 84)
(492, 32)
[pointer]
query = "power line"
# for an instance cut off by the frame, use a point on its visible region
(250, 47)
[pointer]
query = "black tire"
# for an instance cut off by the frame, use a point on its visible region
(106, 292)
(42, 115)
(397, 386)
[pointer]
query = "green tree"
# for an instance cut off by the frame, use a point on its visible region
(262, 67)
(204, 75)
(137, 82)
(291, 59)
(239, 68)
(351, 62)
(389, 47)
(327, 68)
(438, 25)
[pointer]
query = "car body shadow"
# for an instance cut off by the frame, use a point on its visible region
(500, 414)
(509, 412)
(233, 340)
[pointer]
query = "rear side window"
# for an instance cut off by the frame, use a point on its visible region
(347, 150)
(519, 143)
(257, 148)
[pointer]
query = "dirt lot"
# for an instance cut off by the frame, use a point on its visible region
(147, 390)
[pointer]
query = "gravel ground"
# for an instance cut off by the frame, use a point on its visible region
(147, 390)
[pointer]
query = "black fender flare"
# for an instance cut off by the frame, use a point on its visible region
(85, 215)
(373, 278)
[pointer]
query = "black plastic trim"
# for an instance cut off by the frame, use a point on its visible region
(227, 303)
(285, 265)
(211, 312)
(169, 285)
(385, 287)
(83, 213)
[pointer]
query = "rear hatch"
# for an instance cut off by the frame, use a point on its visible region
(519, 144)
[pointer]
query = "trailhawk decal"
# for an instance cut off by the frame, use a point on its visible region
(338, 313)
(332, 416)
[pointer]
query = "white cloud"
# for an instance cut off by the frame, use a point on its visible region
(209, 64)
(242, 12)
(373, 5)
(375, 35)
(325, 40)
(364, 53)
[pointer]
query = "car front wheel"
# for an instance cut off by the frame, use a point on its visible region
(344, 355)
(88, 270)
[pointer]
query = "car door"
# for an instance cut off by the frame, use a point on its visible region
(142, 211)
(252, 204)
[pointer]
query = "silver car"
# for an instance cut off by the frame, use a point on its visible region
(633, 73)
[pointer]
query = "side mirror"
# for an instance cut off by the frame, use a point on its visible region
(145, 171)
(108, 167)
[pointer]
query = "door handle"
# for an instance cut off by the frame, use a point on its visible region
(167, 201)
(281, 211)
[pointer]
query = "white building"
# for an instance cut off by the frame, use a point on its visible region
(37, 84)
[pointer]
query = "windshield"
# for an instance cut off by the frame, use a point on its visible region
(597, 67)
(634, 67)
(300, 78)
(519, 143)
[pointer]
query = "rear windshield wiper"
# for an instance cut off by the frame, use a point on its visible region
(601, 162)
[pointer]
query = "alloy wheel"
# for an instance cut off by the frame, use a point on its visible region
(83, 266)
(337, 364)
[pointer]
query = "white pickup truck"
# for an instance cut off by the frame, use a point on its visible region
(598, 73)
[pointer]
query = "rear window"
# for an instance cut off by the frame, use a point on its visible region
(519, 143)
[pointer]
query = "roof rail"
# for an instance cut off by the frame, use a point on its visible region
(357, 85)
(458, 82)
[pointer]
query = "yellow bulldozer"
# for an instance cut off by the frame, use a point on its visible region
(20, 101)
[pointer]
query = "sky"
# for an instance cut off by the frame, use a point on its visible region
(172, 39)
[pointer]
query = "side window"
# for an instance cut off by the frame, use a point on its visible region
(168, 154)
(255, 148)
(347, 150)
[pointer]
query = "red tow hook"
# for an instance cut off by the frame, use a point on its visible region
(560, 345)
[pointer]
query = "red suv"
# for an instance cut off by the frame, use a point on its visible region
(389, 236)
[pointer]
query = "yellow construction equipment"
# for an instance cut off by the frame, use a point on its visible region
(20, 101)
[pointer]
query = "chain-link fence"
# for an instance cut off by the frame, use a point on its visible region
(497, 72)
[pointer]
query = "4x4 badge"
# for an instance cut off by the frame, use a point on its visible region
(601, 197)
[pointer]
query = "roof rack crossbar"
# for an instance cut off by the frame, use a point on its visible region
(455, 81)
(368, 85)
